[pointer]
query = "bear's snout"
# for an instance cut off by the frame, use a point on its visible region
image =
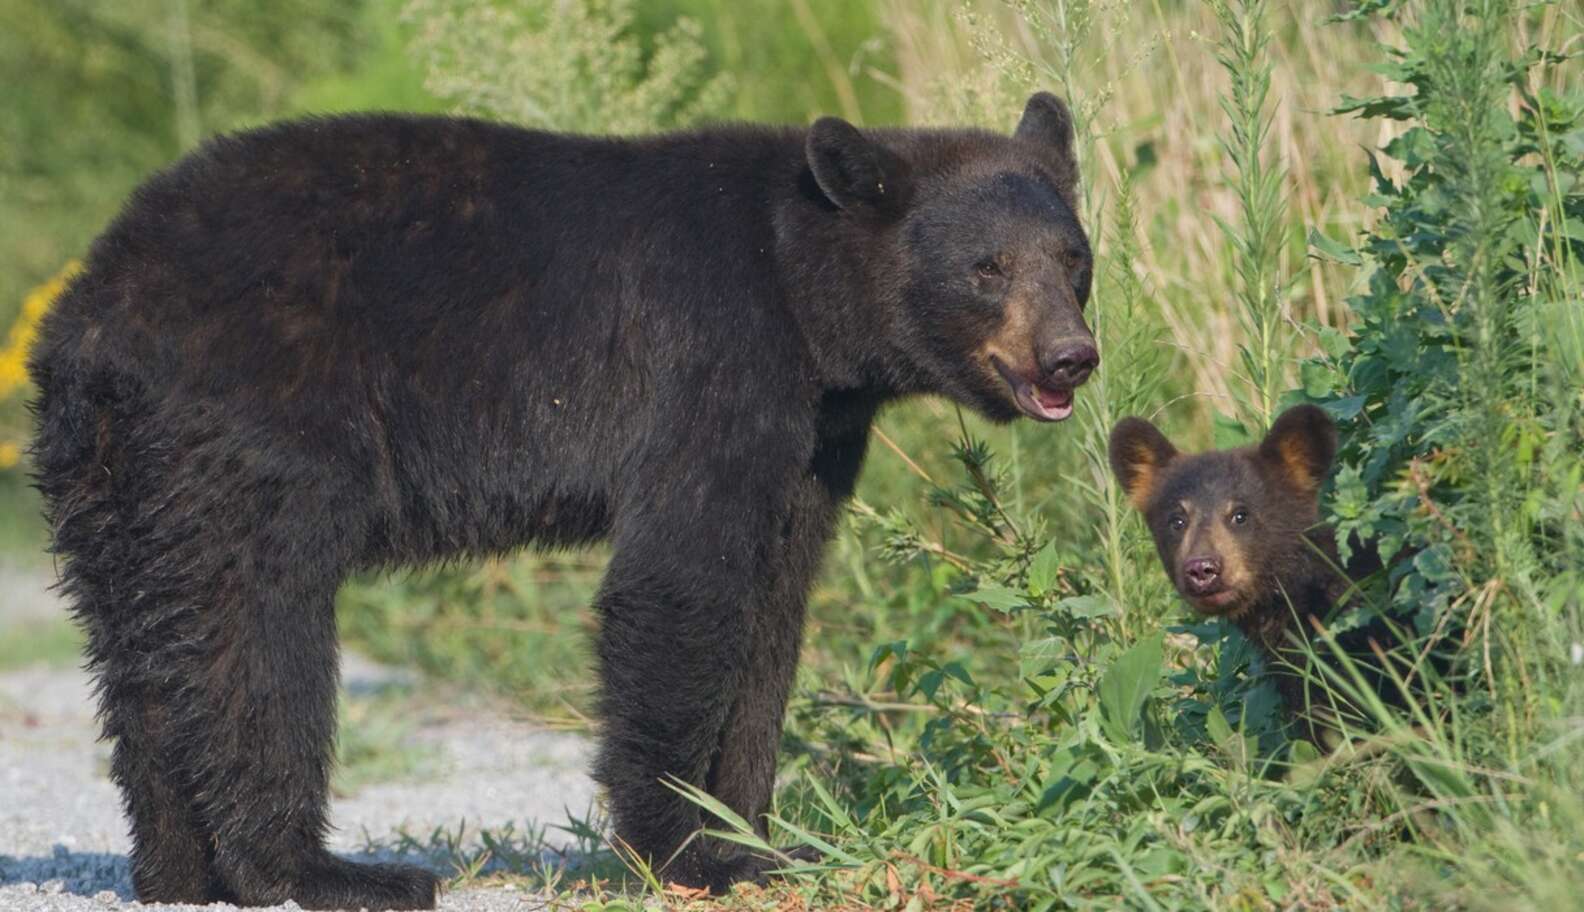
(1069, 365)
(1202, 575)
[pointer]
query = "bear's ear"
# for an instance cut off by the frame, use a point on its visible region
(851, 170)
(1048, 124)
(1139, 451)
(1301, 444)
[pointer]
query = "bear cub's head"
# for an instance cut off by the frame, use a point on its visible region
(1229, 524)
(984, 268)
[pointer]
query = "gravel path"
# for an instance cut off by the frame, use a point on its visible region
(63, 839)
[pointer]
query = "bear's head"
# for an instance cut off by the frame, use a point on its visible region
(982, 266)
(1228, 524)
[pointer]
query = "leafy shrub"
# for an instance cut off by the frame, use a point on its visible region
(1458, 389)
(565, 66)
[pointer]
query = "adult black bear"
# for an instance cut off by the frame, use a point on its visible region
(341, 344)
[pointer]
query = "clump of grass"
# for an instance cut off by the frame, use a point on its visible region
(51, 643)
(374, 741)
(519, 627)
(573, 858)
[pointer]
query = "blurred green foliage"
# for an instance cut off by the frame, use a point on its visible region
(100, 94)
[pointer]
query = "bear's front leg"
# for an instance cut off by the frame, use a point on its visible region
(674, 650)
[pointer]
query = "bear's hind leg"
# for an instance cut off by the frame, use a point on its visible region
(138, 648)
(172, 853)
(270, 699)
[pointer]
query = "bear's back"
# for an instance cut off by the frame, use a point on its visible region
(313, 254)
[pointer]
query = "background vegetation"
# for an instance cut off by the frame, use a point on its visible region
(1375, 208)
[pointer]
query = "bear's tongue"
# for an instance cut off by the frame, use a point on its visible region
(1053, 399)
(1046, 404)
(1036, 401)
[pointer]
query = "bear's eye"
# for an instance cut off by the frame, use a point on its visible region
(1239, 517)
(1073, 260)
(1177, 523)
(987, 268)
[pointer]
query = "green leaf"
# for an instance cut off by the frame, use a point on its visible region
(1216, 726)
(998, 598)
(1086, 607)
(1229, 432)
(1127, 683)
(1334, 342)
(956, 670)
(898, 648)
(1319, 378)
(1044, 570)
(1344, 409)
(1333, 250)
(1304, 752)
(1037, 656)
(808, 838)
(1304, 763)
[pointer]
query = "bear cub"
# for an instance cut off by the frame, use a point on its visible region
(1238, 533)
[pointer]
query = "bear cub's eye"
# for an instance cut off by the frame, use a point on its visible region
(987, 268)
(1239, 517)
(1072, 259)
(1177, 523)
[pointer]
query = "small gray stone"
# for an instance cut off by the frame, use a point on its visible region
(52, 887)
(108, 897)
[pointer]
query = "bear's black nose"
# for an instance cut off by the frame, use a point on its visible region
(1203, 574)
(1070, 365)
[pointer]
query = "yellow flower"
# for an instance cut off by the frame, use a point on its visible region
(13, 358)
(10, 455)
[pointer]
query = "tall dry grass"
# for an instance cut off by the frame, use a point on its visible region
(1148, 80)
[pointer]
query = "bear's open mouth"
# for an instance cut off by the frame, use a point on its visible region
(1042, 403)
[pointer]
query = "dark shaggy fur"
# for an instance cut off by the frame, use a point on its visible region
(334, 345)
(1238, 533)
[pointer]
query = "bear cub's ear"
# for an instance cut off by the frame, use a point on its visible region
(1047, 123)
(850, 169)
(1301, 444)
(1139, 451)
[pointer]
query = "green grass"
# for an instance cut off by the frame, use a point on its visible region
(49, 643)
(22, 532)
(520, 628)
(374, 741)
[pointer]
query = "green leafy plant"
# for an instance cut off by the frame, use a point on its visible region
(1257, 237)
(577, 66)
(1458, 401)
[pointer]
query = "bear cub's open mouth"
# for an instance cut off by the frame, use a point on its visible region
(1040, 402)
